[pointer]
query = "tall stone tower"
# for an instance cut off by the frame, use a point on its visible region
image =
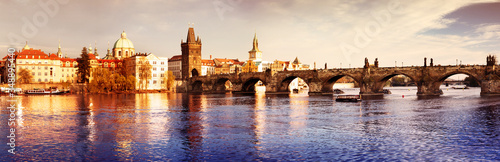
(191, 55)
(255, 54)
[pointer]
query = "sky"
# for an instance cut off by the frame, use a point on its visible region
(340, 33)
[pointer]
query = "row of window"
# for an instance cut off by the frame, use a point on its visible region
(32, 62)
(154, 62)
(174, 68)
(46, 80)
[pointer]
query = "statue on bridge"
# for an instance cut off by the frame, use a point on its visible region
(376, 62)
(431, 64)
(425, 61)
(366, 63)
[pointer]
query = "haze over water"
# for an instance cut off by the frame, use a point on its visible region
(460, 125)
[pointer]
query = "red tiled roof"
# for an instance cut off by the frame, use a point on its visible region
(208, 62)
(175, 58)
(31, 54)
(71, 61)
(116, 62)
(225, 60)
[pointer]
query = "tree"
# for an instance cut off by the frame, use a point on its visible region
(84, 66)
(472, 82)
(170, 80)
(101, 82)
(144, 72)
(66, 84)
(130, 82)
(24, 76)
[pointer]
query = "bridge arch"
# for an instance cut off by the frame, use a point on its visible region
(447, 75)
(196, 86)
(327, 85)
(381, 82)
(285, 83)
(249, 84)
(222, 85)
(443, 77)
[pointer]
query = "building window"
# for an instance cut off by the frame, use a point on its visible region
(39, 80)
(119, 53)
(154, 81)
(46, 80)
(33, 73)
(46, 68)
(154, 75)
(161, 75)
(39, 73)
(45, 73)
(162, 63)
(162, 69)
(154, 69)
(154, 62)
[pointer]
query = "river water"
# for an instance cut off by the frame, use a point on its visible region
(458, 126)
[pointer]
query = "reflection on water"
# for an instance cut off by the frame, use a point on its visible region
(458, 126)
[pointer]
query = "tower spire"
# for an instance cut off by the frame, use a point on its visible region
(255, 43)
(190, 36)
(26, 47)
(59, 52)
(95, 49)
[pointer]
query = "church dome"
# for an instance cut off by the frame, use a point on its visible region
(123, 42)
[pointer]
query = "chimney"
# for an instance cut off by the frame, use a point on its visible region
(210, 57)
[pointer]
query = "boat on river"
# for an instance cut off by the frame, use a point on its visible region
(348, 98)
(51, 91)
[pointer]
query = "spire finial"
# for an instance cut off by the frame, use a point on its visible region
(26, 47)
(255, 43)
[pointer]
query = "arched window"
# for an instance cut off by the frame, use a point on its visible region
(126, 53)
(112, 64)
(105, 64)
(119, 53)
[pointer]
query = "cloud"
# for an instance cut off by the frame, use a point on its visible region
(311, 30)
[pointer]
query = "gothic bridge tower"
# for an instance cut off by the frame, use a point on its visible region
(191, 55)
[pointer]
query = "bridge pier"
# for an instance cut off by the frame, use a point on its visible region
(429, 89)
(490, 88)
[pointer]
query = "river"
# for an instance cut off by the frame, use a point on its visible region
(458, 126)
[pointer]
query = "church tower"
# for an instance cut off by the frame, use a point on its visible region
(255, 54)
(191, 55)
(59, 52)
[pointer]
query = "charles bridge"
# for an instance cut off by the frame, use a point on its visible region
(371, 79)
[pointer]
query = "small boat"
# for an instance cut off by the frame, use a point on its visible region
(51, 91)
(460, 87)
(386, 91)
(338, 91)
(348, 98)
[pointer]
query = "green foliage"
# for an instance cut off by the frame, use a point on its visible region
(472, 82)
(106, 81)
(169, 80)
(130, 83)
(24, 76)
(84, 66)
(66, 84)
(144, 73)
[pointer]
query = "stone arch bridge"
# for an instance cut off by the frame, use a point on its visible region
(371, 80)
